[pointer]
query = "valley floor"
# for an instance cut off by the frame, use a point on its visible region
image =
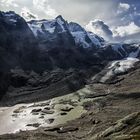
(103, 112)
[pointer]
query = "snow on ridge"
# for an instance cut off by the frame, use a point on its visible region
(36, 26)
(79, 37)
(94, 39)
(49, 25)
(86, 39)
(61, 23)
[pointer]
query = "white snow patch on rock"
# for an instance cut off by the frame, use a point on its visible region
(118, 67)
(61, 23)
(79, 37)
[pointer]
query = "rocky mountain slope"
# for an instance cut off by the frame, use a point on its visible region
(46, 60)
(109, 112)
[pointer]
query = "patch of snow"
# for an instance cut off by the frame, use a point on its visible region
(51, 30)
(13, 20)
(61, 23)
(124, 65)
(79, 37)
(35, 28)
(49, 26)
(118, 67)
(94, 39)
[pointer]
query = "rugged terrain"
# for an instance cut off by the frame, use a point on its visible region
(111, 112)
(58, 81)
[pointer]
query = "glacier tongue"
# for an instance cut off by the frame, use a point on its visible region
(118, 67)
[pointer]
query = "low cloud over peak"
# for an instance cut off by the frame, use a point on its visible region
(118, 33)
(44, 6)
(27, 14)
(100, 28)
(126, 30)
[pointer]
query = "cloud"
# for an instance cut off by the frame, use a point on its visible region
(123, 7)
(9, 3)
(50, 11)
(100, 28)
(126, 30)
(121, 33)
(27, 14)
(44, 6)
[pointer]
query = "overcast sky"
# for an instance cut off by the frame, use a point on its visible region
(119, 19)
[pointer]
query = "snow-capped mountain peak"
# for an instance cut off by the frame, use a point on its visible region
(41, 26)
(59, 19)
(45, 28)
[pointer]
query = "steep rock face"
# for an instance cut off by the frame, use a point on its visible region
(17, 43)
